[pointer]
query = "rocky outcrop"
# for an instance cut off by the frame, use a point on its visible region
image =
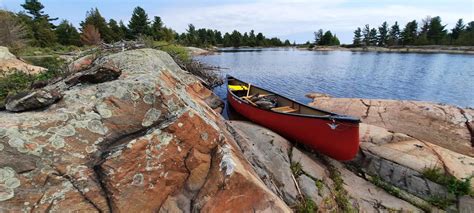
(297, 175)
(9, 63)
(444, 125)
(146, 141)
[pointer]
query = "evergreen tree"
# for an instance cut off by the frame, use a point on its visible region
(236, 38)
(226, 41)
(218, 36)
(436, 32)
(373, 37)
(456, 31)
(357, 37)
(124, 29)
(326, 39)
(335, 41)
(318, 36)
(94, 18)
(394, 35)
(409, 33)
(252, 39)
(245, 39)
(39, 24)
(260, 40)
(139, 24)
(192, 35)
(287, 43)
(90, 35)
(467, 35)
(383, 35)
(366, 35)
(116, 31)
(67, 34)
(157, 28)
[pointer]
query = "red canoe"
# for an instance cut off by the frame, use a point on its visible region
(329, 133)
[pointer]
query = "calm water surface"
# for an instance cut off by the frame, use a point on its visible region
(442, 78)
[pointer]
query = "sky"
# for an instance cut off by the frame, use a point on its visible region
(295, 20)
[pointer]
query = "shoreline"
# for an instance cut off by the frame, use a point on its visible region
(466, 50)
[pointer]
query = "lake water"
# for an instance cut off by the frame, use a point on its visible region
(442, 78)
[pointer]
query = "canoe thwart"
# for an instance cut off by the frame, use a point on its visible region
(285, 109)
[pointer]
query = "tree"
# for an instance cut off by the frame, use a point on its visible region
(157, 28)
(334, 40)
(124, 29)
(67, 34)
(192, 35)
(436, 32)
(394, 35)
(90, 35)
(287, 42)
(357, 37)
(252, 39)
(373, 37)
(117, 32)
(366, 35)
(456, 31)
(260, 40)
(12, 31)
(139, 24)
(318, 35)
(236, 38)
(383, 34)
(93, 17)
(409, 33)
(39, 23)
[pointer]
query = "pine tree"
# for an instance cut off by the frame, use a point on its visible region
(252, 39)
(318, 36)
(116, 31)
(260, 40)
(67, 34)
(139, 24)
(124, 29)
(93, 17)
(357, 41)
(236, 38)
(157, 28)
(436, 32)
(383, 35)
(90, 35)
(366, 35)
(394, 35)
(192, 35)
(39, 24)
(456, 31)
(409, 33)
(373, 37)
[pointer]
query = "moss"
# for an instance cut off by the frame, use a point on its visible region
(14, 83)
(454, 186)
(387, 187)
(319, 185)
(440, 202)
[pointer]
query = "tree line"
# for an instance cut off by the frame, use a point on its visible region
(325, 38)
(34, 27)
(205, 37)
(431, 31)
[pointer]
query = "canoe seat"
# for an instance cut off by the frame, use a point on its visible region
(285, 109)
(238, 87)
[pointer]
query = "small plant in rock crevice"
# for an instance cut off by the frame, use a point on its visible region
(305, 205)
(454, 185)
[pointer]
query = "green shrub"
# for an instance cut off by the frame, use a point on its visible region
(306, 205)
(454, 186)
(175, 50)
(14, 83)
(296, 169)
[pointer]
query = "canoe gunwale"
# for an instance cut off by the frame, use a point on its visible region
(331, 116)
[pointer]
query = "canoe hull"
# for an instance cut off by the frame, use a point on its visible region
(335, 138)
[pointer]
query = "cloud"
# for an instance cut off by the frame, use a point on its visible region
(284, 17)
